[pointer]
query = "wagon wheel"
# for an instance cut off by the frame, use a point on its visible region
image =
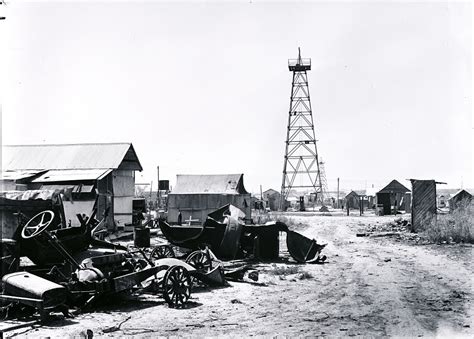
(176, 286)
(162, 251)
(37, 224)
(200, 260)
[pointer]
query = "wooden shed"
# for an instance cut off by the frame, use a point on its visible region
(272, 199)
(104, 172)
(195, 196)
(460, 199)
(395, 196)
(352, 200)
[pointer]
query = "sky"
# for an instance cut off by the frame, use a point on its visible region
(204, 87)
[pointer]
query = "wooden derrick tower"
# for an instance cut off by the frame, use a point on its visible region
(301, 165)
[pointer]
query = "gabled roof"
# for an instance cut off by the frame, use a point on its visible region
(394, 187)
(462, 194)
(271, 191)
(209, 184)
(70, 156)
(352, 194)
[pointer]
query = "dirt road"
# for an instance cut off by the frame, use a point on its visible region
(368, 287)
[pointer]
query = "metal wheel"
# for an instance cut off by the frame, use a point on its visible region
(37, 224)
(162, 251)
(200, 260)
(176, 286)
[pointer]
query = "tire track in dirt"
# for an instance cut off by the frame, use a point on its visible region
(410, 290)
(359, 292)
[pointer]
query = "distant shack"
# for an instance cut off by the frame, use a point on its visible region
(394, 195)
(352, 200)
(272, 199)
(461, 199)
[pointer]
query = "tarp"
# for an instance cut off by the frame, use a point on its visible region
(28, 195)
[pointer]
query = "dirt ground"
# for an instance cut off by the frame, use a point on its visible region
(370, 286)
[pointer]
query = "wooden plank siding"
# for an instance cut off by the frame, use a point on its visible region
(423, 204)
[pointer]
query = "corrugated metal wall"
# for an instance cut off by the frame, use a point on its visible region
(423, 203)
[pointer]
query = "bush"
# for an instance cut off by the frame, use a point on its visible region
(455, 227)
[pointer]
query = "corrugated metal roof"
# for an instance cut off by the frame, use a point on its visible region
(72, 175)
(210, 184)
(69, 156)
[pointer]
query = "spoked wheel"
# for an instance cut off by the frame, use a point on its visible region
(162, 251)
(200, 260)
(176, 286)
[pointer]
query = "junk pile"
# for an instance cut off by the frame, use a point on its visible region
(228, 238)
(398, 228)
(397, 225)
(72, 269)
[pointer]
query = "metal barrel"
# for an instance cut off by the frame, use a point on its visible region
(141, 237)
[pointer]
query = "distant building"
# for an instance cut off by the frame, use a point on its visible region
(93, 172)
(461, 198)
(352, 200)
(272, 199)
(394, 195)
(195, 196)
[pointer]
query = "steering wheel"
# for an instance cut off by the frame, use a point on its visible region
(37, 224)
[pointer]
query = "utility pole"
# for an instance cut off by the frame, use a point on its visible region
(158, 203)
(337, 201)
(151, 190)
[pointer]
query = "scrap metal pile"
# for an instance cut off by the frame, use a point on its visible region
(229, 238)
(71, 269)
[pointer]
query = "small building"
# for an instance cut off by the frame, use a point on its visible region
(272, 199)
(394, 195)
(460, 199)
(195, 196)
(101, 174)
(352, 200)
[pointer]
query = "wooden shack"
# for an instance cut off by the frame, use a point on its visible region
(393, 197)
(93, 172)
(195, 196)
(459, 200)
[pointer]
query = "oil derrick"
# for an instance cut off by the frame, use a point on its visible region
(324, 183)
(301, 166)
